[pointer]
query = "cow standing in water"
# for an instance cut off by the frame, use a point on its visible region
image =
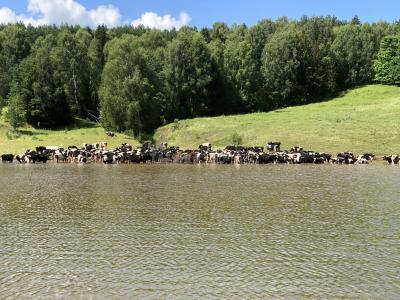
(392, 159)
(7, 158)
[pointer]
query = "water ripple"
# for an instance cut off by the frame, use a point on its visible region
(175, 231)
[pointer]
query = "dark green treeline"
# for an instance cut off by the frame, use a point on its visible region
(135, 79)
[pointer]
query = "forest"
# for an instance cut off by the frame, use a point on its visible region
(134, 79)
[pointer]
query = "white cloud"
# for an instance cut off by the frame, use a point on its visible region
(49, 12)
(63, 12)
(106, 14)
(152, 20)
(7, 15)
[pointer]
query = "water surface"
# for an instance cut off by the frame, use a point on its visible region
(183, 231)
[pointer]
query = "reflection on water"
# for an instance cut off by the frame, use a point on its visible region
(175, 231)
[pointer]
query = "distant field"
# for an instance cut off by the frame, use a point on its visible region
(81, 132)
(362, 120)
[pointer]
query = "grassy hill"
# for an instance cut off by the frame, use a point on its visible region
(81, 132)
(362, 120)
(365, 119)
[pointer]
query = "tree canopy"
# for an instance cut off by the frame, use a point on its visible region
(134, 79)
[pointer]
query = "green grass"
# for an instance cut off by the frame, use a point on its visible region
(81, 132)
(365, 119)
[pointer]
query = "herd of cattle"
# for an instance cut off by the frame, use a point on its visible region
(147, 153)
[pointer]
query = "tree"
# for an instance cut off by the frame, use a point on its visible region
(96, 65)
(353, 51)
(41, 88)
(226, 97)
(219, 31)
(61, 72)
(355, 20)
(129, 94)
(242, 69)
(16, 113)
(14, 47)
(72, 67)
(282, 67)
(387, 63)
(258, 36)
(189, 76)
(318, 69)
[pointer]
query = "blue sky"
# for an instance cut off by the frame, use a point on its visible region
(205, 12)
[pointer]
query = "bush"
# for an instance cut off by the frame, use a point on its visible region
(3, 113)
(16, 113)
(237, 139)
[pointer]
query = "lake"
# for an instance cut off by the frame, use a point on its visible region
(184, 231)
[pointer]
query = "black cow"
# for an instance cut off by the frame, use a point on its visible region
(345, 158)
(40, 149)
(7, 158)
(42, 157)
(266, 158)
(205, 147)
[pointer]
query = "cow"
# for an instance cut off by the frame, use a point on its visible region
(392, 159)
(345, 158)
(205, 147)
(296, 149)
(110, 134)
(211, 157)
(102, 146)
(319, 160)
(361, 160)
(369, 156)
(82, 158)
(52, 148)
(274, 146)
(7, 158)
(87, 147)
(60, 155)
(294, 158)
(42, 157)
(72, 153)
(109, 158)
(266, 158)
(40, 149)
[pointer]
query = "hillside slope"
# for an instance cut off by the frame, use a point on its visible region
(362, 120)
(81, 132)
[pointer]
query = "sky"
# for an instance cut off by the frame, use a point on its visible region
(167, 14)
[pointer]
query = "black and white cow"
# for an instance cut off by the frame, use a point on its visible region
(392, 159)
(274, 146)
(347, 158)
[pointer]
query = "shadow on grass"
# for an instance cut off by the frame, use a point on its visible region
(20, 133)
(14, 135)
(77, 124)
(82, 124)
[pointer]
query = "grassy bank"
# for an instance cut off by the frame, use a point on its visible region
(81, 132)
(366, 119)
(362, 120)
